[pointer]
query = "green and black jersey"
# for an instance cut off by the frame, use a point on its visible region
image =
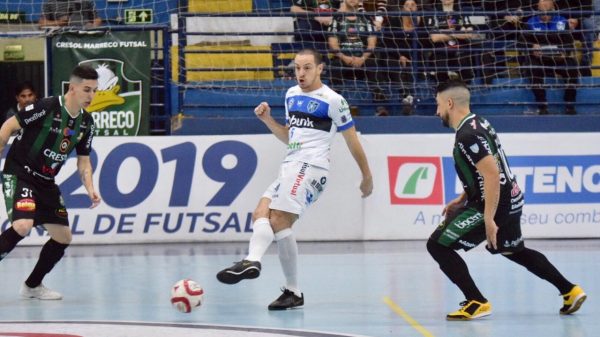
(476, 139)
(353, 33)
(47, 137)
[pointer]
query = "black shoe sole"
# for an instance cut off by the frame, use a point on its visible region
(299, 306)
(575, 307)
(230, 278)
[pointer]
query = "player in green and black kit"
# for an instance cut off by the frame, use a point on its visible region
(489, 209)
(47, 131)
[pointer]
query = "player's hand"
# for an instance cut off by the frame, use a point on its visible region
(263, 110)
(95, 198)
(366, 186)
(491, 231)
(452, 206)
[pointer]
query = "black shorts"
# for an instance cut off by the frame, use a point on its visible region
(31, 199)
(465, 229)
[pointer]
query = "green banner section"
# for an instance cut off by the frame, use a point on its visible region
(122, 59)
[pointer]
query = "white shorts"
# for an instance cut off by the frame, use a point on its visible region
(298, 185)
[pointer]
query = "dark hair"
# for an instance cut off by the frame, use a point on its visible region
(310, 51)
(451, 84)
(84, 72)
(24, 86)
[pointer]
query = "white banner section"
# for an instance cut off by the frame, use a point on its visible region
(204, 188)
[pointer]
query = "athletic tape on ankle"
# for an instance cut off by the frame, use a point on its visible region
(282, 234)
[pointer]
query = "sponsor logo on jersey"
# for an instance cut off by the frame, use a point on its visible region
(415, 180)
(29, 107)
(68, 132)
(467, 244)
(48, 170)
(25, 205)
(64, 145)
(305, 122)
(55, 156)
(470, 221)
(62, 212)
(299, 179)
(294, 146)
(513, 243)
(35, 117)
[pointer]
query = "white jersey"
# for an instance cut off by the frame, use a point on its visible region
(313, 119)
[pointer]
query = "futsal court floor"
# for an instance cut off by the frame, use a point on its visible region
(390, 288)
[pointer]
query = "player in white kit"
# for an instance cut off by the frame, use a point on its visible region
(314, 113)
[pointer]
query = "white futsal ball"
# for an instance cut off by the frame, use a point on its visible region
(186, 295)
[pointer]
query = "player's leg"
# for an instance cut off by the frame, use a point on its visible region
(512, 247)
(463, 229)
(302, 188)
(287, 249)
(50, 212)
(51, 253)
(20, 201)
(261, 239)
(15, 233)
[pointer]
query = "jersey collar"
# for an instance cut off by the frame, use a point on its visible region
(464, 120)
(61, 100)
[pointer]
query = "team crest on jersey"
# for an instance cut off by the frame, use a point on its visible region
(290, 103)
(312, 106)
(474, 148)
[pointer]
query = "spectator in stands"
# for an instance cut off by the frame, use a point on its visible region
(63, 13)
(378, 6)
(24, 94)
(578, 12)
(311, 29)
(551, 45)
(451, 35)
(401, 44)
(510, 17)
(352, 40)
(505, 23)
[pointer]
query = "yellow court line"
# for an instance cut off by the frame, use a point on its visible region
(407, 317)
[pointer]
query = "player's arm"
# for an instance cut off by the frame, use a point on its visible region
(263, 112)
(488, 169)
(84, 167)
(298, 9)
(10, 127)
(356, 149)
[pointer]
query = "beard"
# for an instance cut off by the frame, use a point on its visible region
(445, 121)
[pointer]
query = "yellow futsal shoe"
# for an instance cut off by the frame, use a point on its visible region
(572, 300)
(470, 310)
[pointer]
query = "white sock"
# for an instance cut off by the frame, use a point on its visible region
(261, 239)
(288, 256)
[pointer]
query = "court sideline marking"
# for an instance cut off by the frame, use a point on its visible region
(413, 323)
